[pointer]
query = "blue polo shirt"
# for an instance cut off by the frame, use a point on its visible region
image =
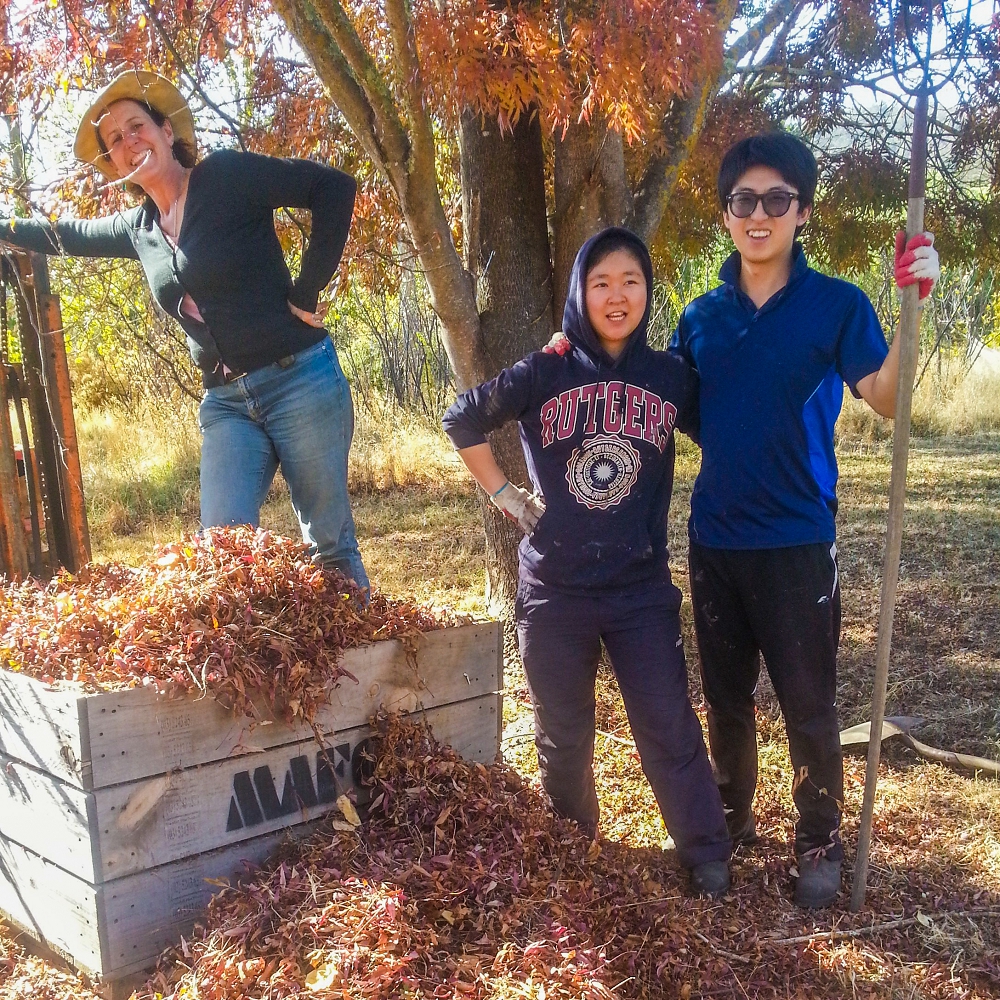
(772, 385)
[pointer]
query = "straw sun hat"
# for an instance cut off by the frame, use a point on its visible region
(135, 85)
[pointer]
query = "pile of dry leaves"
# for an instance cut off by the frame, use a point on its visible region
(235, 612)
(24, 976)
(461, 883)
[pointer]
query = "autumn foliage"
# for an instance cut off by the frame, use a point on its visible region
(623, 61)
(242, 614)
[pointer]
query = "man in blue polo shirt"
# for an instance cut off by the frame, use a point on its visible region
(774, 346)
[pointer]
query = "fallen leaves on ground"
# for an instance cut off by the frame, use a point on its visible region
(235, 612)
(461, 883)
(26, 977)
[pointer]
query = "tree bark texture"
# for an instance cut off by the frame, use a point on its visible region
(404, 153)
(507, 254)
(591, 192)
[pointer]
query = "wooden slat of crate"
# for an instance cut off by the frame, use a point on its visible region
(53, 906)
(41, 726)
(103, 739)
(119, 926)
(142, 735)
(56, 819)
(111, 832)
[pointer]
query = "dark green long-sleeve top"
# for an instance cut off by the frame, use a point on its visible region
(228, 258)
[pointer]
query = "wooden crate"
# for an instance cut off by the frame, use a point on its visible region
(117, 808)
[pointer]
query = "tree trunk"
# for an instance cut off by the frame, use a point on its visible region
(405, 158)
(507, 253)
(591, 192)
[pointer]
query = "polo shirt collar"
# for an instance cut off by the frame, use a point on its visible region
(730, 270)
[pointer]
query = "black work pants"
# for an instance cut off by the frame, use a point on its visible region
(784, 604)
(560, 640)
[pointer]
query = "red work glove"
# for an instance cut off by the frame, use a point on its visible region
(559, 344)
(917, 261)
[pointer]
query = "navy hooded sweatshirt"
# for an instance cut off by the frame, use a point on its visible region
(597, 434)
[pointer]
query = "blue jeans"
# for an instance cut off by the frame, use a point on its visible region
(301, 418)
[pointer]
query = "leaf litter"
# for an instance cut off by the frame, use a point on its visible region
(238, 613)
(458, 881)
(461, 882)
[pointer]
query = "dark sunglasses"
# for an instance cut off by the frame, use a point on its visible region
(742, 204)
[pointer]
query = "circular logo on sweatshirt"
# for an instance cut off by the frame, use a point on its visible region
(602, 471)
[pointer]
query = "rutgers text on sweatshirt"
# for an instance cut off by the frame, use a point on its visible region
(597, 434)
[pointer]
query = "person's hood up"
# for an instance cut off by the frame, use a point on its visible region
(576, 322)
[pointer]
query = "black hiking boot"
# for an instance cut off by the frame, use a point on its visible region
(742, 830)
(710, 878)
(818, 884)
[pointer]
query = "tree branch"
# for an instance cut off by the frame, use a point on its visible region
(405, 46)
(389, 130)
(364, 98)
(681, 127)
(782, 10)
(776, 52)
(195, 82)
(308, 28)
(889, 925)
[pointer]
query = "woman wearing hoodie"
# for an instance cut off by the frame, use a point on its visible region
(597, 425)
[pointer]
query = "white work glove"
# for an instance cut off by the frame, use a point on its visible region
(519, 505)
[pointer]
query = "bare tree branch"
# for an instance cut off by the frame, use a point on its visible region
(756, 33)
(389, 130)
(195, 81)
(363, 96)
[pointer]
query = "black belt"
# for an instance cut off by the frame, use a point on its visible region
(286, 362)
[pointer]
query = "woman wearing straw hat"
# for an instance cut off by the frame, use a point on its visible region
(204, 234)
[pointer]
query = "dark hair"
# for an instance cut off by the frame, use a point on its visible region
(184, 152)
(610, 244)
(780, 151)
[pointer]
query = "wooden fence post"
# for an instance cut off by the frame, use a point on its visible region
(13, 550)
(55, 370)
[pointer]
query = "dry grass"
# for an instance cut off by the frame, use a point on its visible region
(947, 402)
(395, 448)
(409, 489)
